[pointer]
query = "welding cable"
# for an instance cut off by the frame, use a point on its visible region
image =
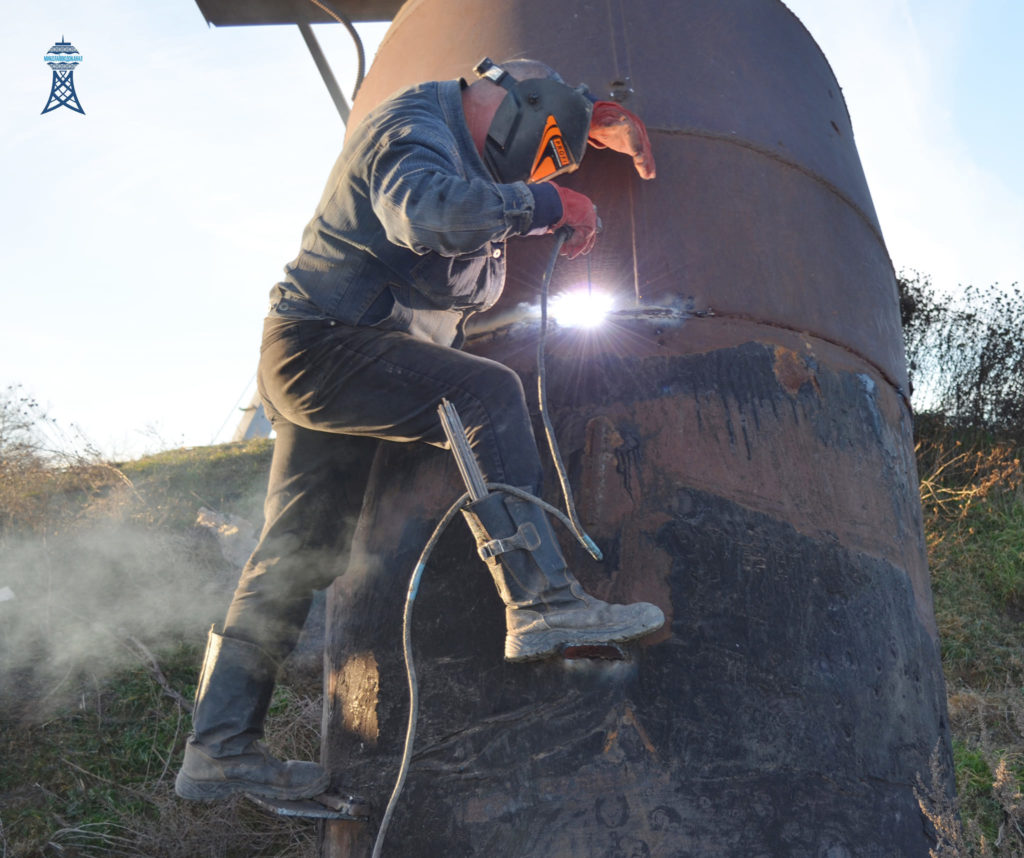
(571, 521)
(542, 400)
(410, 666)
(410, 669)
(360, 51)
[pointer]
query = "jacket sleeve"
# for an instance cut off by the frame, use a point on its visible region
(425, 203)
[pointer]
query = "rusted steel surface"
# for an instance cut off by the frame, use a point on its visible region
(741, 449)
(760, 209)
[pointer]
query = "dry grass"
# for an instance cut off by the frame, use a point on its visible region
(99, 652)
(972, 494)
(90, 754)
(97, 778)
(955, 474)
(225, 829)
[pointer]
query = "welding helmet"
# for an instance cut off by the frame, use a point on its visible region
(540, 129)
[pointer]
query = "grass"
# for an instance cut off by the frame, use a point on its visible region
(972, 493)
(228, 478)
(96, 778)
(114, 587)
(89, 756)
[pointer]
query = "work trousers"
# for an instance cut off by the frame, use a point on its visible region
(331, 392)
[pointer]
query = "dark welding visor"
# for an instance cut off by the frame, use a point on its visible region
(540, 129)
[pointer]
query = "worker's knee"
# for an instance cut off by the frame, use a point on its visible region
(497, 388)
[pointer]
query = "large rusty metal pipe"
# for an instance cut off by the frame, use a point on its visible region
(739, 441)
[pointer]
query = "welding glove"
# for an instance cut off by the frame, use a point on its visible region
(579, 214)
(614, 127)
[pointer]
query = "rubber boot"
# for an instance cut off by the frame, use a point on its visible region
(224, 754)
(546, 609)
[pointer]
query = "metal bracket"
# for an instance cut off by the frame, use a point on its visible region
(325, 806)
(325, 72)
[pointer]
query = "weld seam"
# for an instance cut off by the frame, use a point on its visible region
(772, 155)
(888, 379)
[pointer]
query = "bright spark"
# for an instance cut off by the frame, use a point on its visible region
(580, 308)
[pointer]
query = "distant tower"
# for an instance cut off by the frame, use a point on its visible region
(62, 58)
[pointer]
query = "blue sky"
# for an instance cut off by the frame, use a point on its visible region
(933, 87)
(141, 239)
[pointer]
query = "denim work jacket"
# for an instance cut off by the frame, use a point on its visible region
(410, 232)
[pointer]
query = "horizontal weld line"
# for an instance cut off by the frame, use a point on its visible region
(804, 332)
(775, 156)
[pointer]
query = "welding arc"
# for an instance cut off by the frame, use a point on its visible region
(571, 521)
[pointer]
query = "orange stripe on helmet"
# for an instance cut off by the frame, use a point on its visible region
(553, 156)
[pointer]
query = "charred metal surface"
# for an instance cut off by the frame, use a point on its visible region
(790, 704)
(739, 442)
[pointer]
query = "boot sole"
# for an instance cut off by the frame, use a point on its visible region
(539, 645)
(193, 790)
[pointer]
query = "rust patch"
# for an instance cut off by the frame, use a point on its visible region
(631, 719)
(793, 371)
(610, 740)
(628, 719)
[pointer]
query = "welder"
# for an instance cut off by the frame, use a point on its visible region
(362, 342)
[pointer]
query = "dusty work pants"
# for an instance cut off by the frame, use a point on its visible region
(331, 392)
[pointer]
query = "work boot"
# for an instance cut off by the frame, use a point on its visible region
(546, 609)
(224, 754)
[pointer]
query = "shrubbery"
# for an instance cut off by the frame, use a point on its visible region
(966, 356)
(966, 361)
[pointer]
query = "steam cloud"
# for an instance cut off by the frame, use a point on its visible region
(80, 597)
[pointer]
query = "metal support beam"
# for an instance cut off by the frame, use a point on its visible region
(325, 70)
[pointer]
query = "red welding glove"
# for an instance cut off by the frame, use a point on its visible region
(614, 127)
(579, 214)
